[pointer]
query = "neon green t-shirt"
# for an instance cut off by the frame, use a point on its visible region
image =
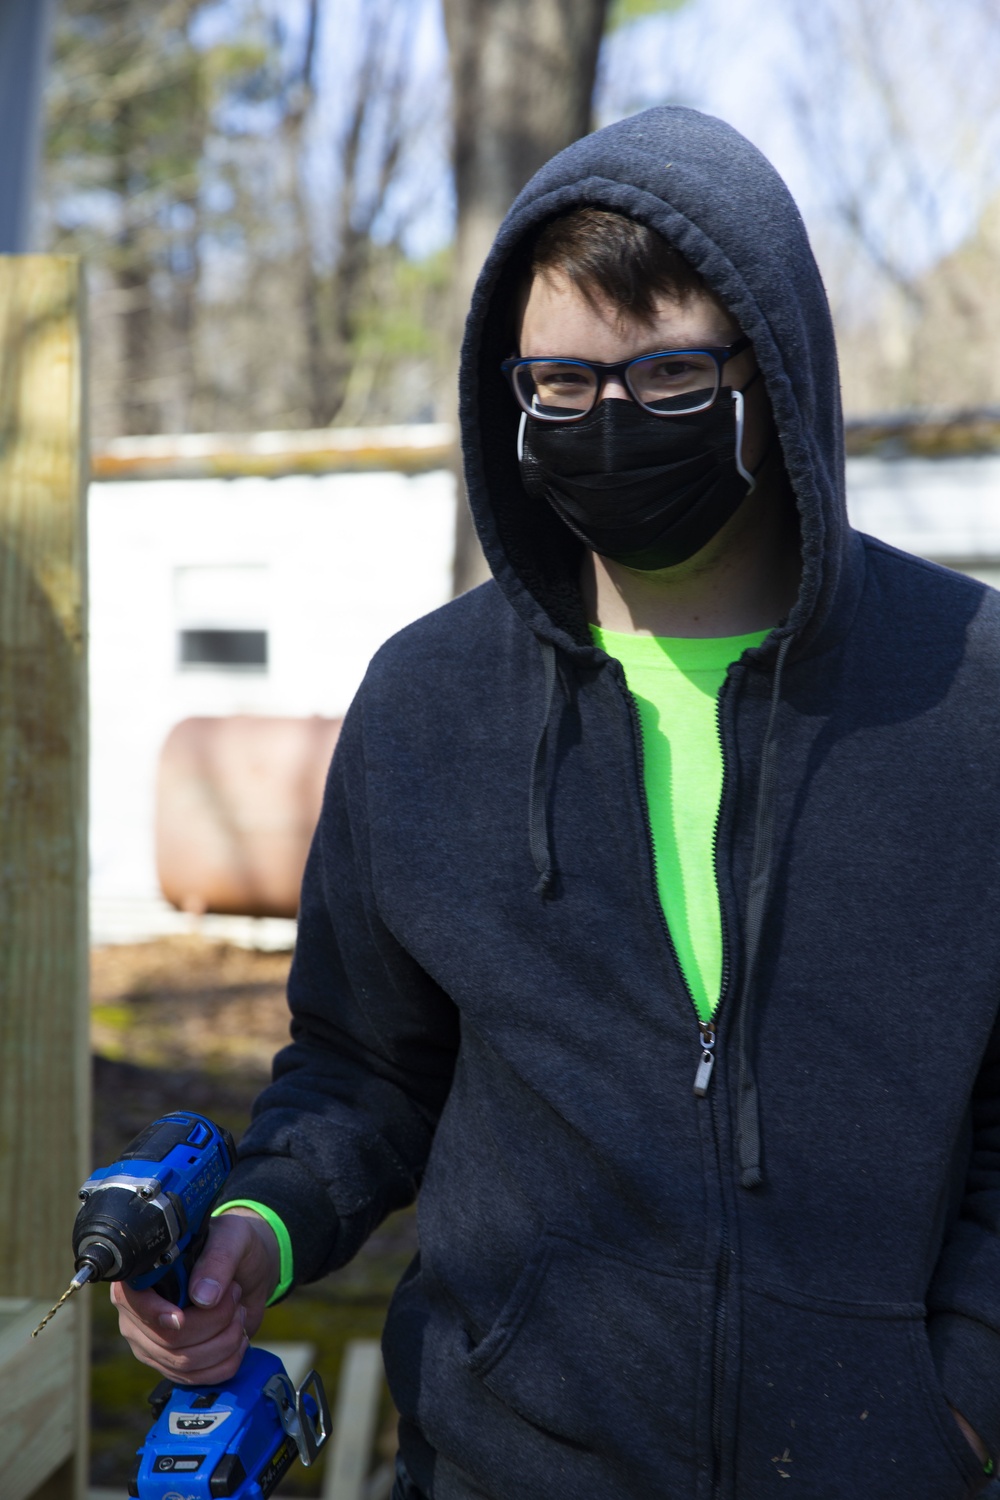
(675, 683)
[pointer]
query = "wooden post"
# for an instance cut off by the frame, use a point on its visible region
(349, 1463)
(44, 1047)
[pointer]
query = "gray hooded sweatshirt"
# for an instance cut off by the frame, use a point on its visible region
(626, 1291)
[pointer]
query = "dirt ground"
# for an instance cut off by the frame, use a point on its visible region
(184, 1022)
(183, 1000)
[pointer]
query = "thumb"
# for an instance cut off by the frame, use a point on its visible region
(215, 1269)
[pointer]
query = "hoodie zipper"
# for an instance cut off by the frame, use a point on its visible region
(708, 1038)
(721, 1309)
(720, 1319)
(724, 976)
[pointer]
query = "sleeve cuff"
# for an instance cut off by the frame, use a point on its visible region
(301, 1202)
(286, 1268)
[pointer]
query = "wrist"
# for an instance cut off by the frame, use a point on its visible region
(275, 1239)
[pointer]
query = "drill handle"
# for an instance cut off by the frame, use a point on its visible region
(172, 1284)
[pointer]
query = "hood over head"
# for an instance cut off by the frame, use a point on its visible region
(706, 189)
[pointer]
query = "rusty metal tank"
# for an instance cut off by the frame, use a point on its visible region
(237, 800)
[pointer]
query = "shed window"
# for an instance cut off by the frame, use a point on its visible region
(224, 648)
(222, 617)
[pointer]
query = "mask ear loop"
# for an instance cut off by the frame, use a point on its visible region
(520, 430)
(740, 465)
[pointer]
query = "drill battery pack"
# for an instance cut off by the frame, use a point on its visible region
(232, 1441)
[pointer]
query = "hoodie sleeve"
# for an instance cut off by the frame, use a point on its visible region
(964, 1298)
(342, 1135)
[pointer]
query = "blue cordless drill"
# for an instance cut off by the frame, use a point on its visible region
(144, 1219)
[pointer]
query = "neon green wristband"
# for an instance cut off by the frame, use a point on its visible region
(286, 1271)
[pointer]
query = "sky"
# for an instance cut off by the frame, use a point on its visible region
(885, 109)
(883, 116)
(893, 105)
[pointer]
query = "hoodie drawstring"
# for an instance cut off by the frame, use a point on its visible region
(748, 1117)
(538, 810)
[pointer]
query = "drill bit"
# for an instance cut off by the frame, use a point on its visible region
(81, 1278)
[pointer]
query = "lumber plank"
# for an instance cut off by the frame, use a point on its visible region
(44, 1048)
(347, 1466)
(38, 1396)
(44, 1053)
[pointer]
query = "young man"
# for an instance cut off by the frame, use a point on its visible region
(651, 928)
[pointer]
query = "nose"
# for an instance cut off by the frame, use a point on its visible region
(613, 386)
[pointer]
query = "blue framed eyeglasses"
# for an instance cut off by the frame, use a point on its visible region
(671, 383)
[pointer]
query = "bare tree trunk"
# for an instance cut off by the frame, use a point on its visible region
(379, 90)
(186, 256)
(186, 401)
(522, 74)
(302, 98)
(139, 412)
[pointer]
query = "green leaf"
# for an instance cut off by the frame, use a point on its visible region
(625, 12)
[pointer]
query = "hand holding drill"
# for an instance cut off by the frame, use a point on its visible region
(230, 1284)
(190, 1290)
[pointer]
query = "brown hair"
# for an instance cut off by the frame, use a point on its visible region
(610, 258)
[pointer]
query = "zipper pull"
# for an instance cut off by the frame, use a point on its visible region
(703, 1076)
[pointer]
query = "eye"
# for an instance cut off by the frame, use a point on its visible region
(676, 368)
(660, 377)
(556, 384)
(562, 377)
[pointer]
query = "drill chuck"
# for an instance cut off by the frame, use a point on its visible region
(125, 1230)
(99, 1259)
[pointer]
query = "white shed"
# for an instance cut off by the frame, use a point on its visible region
(259, 575)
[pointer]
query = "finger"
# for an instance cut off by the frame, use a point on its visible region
(196, 1363)
(147, 1305)
(174, 1326)
(219, 1263)
(201, 1365)
(223, 1371)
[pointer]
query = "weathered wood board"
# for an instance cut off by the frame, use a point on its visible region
(38, 1395)
(44, 1052)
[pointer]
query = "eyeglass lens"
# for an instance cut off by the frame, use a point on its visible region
(561, 390)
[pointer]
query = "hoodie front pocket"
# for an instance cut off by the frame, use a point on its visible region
(844, 1399)
(606, 1352)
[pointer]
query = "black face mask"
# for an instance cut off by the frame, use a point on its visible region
(646, 491)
